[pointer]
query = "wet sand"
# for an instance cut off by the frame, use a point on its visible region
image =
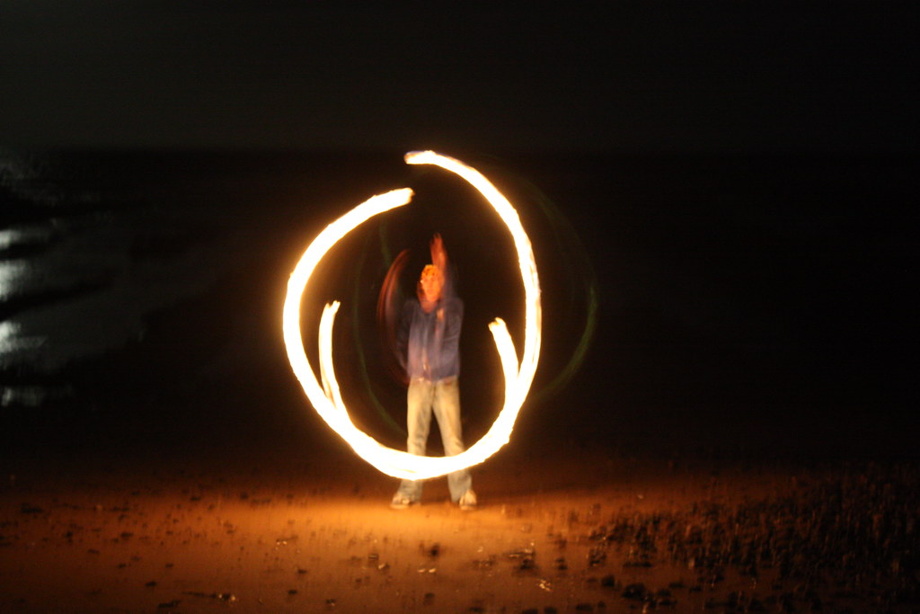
(564, 529)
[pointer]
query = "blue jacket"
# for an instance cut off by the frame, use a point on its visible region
(430, 342)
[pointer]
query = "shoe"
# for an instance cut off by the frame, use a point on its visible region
(468, 501)
(401, 502)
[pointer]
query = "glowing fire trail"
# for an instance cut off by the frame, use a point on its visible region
(327, 398)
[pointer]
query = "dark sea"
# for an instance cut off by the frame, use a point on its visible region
(720, 304)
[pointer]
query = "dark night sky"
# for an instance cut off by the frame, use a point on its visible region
(787, 275)
(713, 76)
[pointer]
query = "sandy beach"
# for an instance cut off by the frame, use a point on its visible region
(596, 530)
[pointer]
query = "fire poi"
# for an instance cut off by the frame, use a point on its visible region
(326, 398)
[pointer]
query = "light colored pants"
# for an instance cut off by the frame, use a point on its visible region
(442, 398)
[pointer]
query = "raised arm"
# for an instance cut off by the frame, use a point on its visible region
(438, 253)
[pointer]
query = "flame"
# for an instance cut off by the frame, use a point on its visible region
(327, 398)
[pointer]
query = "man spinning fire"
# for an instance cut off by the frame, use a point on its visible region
(428, 346)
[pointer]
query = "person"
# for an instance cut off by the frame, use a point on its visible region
(428, 341)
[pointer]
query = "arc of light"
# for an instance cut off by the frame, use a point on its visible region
(327, 399)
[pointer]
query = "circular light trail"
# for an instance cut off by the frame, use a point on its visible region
(326, 398)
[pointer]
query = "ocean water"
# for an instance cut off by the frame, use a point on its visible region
(149, 285)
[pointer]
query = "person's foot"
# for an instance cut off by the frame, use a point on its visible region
(468, 501)
(401, 502)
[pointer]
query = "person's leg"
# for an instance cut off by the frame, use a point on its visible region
(447, 411)
(418, 423)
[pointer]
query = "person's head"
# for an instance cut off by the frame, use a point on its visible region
(431, 283)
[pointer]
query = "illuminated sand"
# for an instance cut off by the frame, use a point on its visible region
(205, 535)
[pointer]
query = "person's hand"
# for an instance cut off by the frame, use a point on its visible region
(438, 253)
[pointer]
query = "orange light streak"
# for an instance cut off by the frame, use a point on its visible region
(327, 398)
